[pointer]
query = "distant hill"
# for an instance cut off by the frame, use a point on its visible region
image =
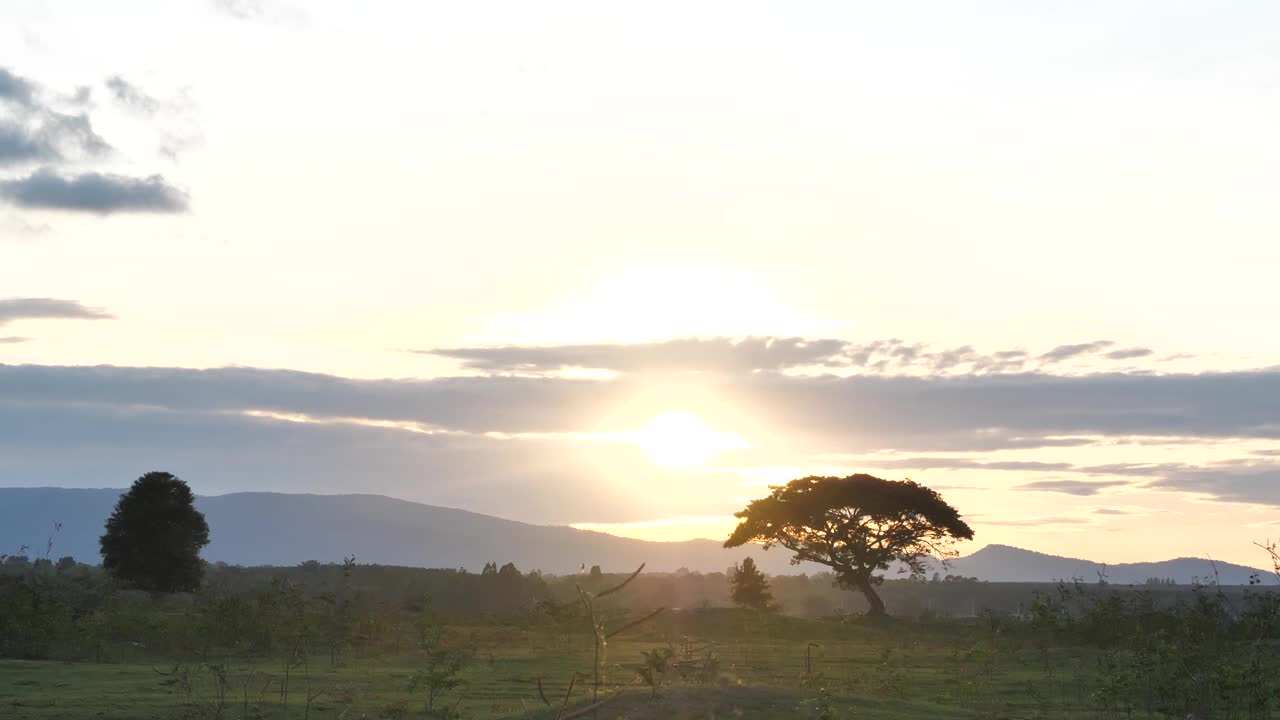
(1002, 563)
(286, 529)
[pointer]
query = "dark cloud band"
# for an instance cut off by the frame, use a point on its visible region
(98, 193)
(197, 418)
(827, 414)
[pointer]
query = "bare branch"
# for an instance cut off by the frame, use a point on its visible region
(634, 623)
(622, 584)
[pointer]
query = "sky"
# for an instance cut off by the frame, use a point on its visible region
(624, 267)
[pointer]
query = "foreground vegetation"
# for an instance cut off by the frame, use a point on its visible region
(155, 632)
(349, 641)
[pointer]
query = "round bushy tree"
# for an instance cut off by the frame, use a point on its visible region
(155, 534)
(855, 525)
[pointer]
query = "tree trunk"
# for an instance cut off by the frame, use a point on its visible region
(868, 590)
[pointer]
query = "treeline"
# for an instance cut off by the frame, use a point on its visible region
(82, 613)
(70, 610)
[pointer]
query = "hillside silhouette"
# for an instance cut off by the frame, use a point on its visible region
(287, 529)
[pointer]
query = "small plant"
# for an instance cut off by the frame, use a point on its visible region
(441, 670)
(656, 667)
(820, 706)
(440, 674)
(202, 687)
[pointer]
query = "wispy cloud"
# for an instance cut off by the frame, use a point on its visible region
(1073, 487)
(12, 309)
(769, 354)
(1037, 522)
(1129, 353)
(685, 355)
(1066, 352)
(131, 95)
(271, 11)
(949, 463)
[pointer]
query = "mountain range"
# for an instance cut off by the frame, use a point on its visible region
(286, 529)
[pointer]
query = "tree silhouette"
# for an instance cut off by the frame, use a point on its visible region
(749, 588)
(855, 525)
(155, 534)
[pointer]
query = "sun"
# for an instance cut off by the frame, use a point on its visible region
(679, 440)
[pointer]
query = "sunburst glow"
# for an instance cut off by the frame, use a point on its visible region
(681, 440)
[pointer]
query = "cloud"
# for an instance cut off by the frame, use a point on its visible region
(827, 414)
(557, 480)
(15, 228)
(175, 116)
(1110, 511)
(1072, 487)
(1253, 483)
(1134, 469)
(16, 89)
(1036, 522)
(131, 95)
(756, 354)
(714, 355)
(36, 133)
(987, 412)
(175, 144)
(49, 136)
(18, 146)
(945, 463)
(242, 9)
(1129, 353)
(94, 193)
(12, 309)
(260, 10)
(1066, 352)
(13, 340)
(1003, 361)
(507, 435)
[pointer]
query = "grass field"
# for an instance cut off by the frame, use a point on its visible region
(896, 670)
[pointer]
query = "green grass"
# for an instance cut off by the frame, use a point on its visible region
(893, 671)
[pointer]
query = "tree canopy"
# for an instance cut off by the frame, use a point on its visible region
(856, 525)
(154, 536)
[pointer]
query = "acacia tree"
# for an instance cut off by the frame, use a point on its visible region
(155, 534)
(855, 525)
(749, 588)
